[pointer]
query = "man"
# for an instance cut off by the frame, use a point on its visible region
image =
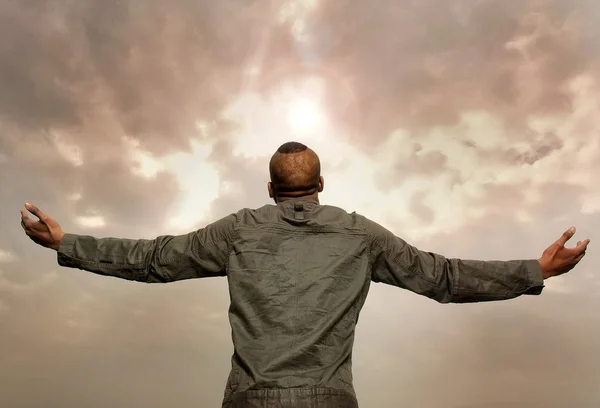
(298, 275)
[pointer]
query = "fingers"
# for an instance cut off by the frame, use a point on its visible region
(25, 220)
(566, 236)
(24, 215)
(582, 245)
(37, 212)
(579, 251)
(30, 225)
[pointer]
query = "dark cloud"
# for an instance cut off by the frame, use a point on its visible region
(418, 64)
(150, 68)
(413, 162)
(93, 73)
(540, 148)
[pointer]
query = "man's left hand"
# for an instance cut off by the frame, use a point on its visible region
(45, 232)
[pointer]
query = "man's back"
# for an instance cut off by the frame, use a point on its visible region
(298, 275)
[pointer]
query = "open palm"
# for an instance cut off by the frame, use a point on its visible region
(45, 232)
(558, 259)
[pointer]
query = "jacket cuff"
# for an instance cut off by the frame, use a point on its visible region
(534, 273)
(64, 254)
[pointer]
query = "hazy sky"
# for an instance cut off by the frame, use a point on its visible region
(469, 128)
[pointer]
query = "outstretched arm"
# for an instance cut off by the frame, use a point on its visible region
(201, 253)
(397, 263)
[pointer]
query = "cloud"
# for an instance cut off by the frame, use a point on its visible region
(439, 60)
(6, 256)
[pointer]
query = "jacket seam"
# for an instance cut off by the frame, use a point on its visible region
(107, 265)
(211, 243)
(306, 230)
(233, 237)
(369, 275)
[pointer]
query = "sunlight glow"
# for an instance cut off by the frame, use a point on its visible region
(143, 163)
(294, 111)
(304, 115)
(198, 181)
(94, 221)
(294, 10)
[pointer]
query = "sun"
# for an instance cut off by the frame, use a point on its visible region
(304, 114)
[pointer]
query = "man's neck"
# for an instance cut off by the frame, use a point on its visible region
(314, 197)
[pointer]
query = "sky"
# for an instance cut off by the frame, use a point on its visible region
(467, 127)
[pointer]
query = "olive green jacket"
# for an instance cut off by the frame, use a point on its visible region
(298, 274)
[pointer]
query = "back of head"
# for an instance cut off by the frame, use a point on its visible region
(295, 172)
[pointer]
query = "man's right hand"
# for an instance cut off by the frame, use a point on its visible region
(557, 259)
(45, 232)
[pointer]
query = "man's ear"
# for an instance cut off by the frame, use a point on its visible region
(270, 189)
(321, 184)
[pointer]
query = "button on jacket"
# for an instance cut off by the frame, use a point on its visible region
(298, 275)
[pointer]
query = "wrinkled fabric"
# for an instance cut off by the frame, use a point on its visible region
(298, 275)
(293, 398)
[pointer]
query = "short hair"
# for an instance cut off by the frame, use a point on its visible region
(294, 168)
(292, 147)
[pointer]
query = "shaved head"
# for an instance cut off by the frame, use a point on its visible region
(295, 172)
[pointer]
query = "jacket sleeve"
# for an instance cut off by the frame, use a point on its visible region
(199, 254)
(397, 263)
